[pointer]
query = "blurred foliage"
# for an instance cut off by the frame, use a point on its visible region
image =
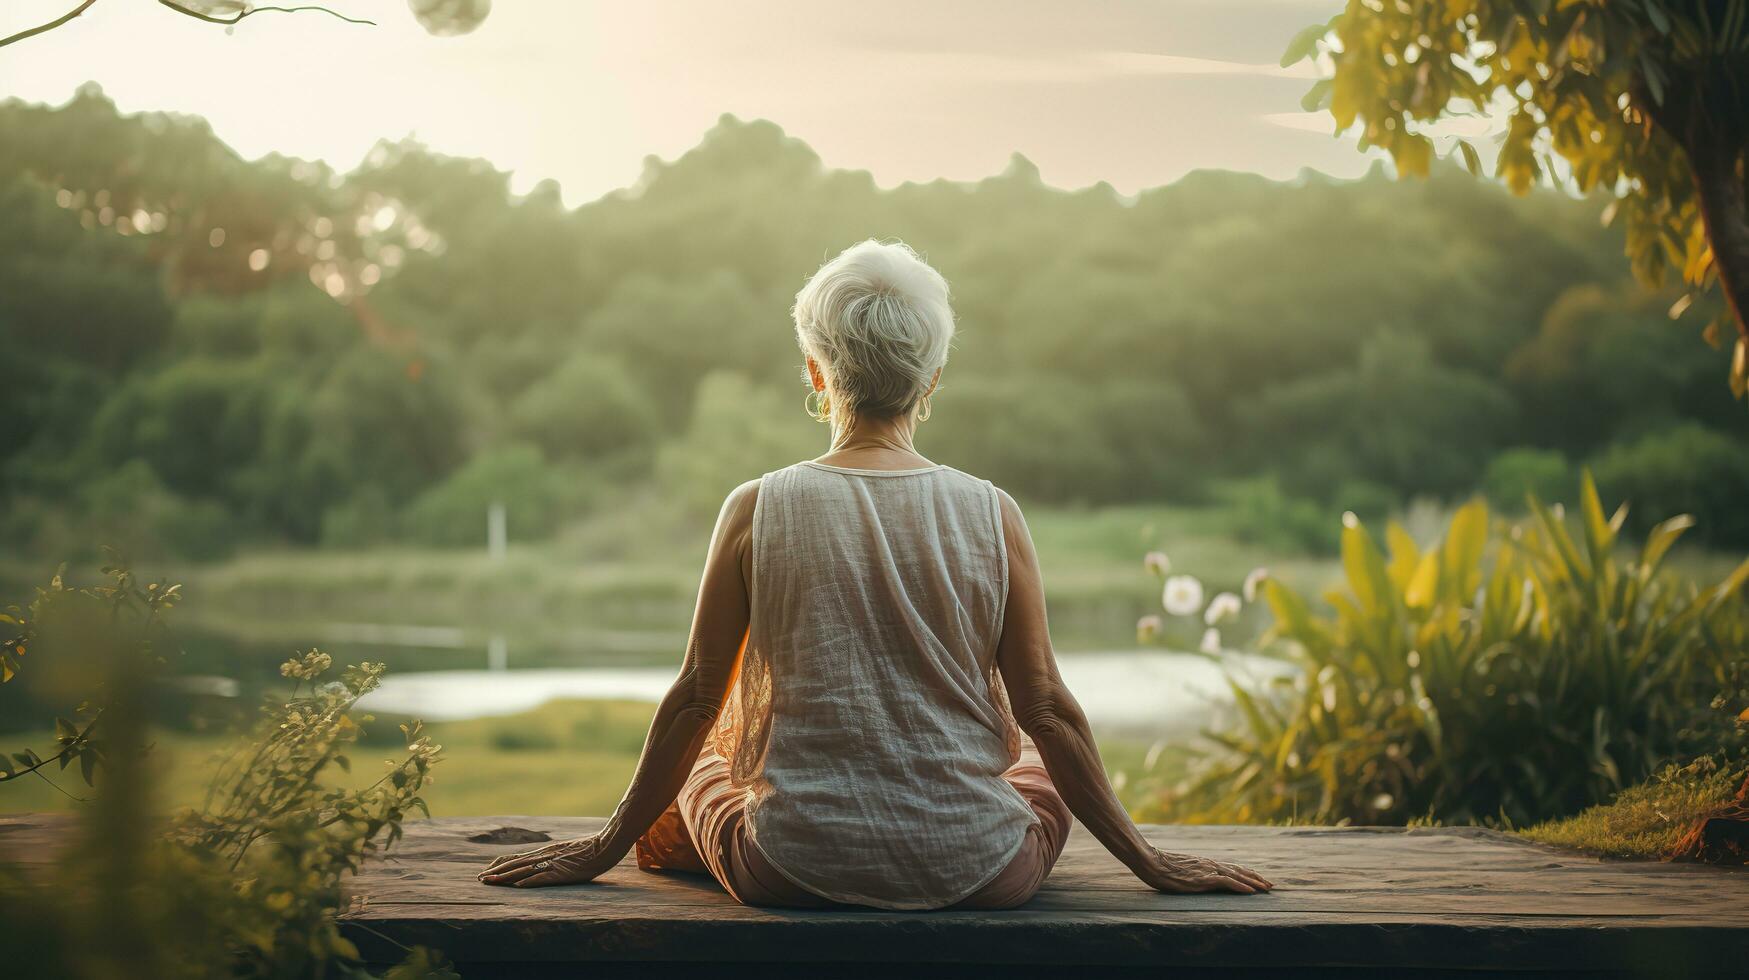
(1518, 474)
(1684, 469)
(247, 884)
(1503, 676)
(271, 352)
(1645, 100)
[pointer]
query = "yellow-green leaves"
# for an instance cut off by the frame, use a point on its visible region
(1423, 585)
(1502, 674)
(1365, 569)
(1462, 551)
(1304, 44)
(1599, 535)
(1658, 543)
(1580, 82)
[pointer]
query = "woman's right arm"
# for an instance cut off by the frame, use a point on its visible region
(1046, 711)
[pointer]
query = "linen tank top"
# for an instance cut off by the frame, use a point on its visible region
(867, 719)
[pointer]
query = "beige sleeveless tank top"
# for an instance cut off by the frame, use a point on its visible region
(868, 721)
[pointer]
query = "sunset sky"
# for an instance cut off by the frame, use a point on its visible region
(1133, 92)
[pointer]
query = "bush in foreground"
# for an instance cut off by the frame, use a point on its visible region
(246, 885)
(1505, 676)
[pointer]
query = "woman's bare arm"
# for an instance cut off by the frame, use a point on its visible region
(683, 719)
(1048, 713)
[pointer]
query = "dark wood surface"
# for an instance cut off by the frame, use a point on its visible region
(1352, 899)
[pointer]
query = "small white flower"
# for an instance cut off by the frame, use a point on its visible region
(1253, 582)
(1182, 595)
(1223, 606)
(1156, 563)
(1148, 627)
(1154, 755)
(1211, 642)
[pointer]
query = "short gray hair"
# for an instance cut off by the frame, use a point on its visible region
(877, 321)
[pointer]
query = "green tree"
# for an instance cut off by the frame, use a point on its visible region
(1647, 100)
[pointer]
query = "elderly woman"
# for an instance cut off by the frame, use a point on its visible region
(868, 648)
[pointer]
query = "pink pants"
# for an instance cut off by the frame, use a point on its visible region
(712, 811)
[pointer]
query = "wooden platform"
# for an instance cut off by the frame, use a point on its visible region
(1348, 899)
(1379, 901)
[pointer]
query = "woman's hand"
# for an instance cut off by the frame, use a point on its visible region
(1181, 873)
(569, 862)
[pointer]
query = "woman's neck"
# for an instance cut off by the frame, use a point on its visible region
(876, 443)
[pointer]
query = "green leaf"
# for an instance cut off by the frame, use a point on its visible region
(1424, 584)
(1599, 536)
(1317, 97)
(1463, 548)
(1405, 556)
(1303, 45)
(1732, 583)
(1661, 538)
(1472, 159)
(1365, 567)
(1654, 78)
(87, 766)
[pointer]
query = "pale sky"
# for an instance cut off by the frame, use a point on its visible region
(1132, 92)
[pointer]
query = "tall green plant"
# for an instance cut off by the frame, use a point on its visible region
(1505, 675)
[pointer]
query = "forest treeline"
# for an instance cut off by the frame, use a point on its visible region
(203, 351)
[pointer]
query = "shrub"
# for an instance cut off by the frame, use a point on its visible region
(506, 739)
(1259, 512)
(1517, 473)
(589, 407)
(1686, 469)
(248, 885)
(129, 507)
(1506, 678)
(536, 497)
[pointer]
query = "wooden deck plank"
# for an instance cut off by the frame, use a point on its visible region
(1382, 900)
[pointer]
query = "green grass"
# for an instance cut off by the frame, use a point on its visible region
(565, 757)
(1646, 821)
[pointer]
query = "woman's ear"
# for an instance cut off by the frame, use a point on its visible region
(818, 377)
(934, 383)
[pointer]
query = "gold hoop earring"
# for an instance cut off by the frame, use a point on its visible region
(818, 405)
(923, 413)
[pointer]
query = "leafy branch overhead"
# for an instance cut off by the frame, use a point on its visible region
(1646, 100)
(440, 17)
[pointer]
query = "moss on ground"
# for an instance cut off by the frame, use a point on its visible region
(1646, 821)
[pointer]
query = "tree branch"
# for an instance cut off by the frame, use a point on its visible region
(51, 25)
(77, 742)
(245, 12)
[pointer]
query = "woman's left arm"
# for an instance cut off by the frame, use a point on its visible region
(683, 719)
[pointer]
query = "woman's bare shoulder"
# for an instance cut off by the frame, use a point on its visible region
(737, 513)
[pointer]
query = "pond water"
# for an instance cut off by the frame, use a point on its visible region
(1148, 692)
